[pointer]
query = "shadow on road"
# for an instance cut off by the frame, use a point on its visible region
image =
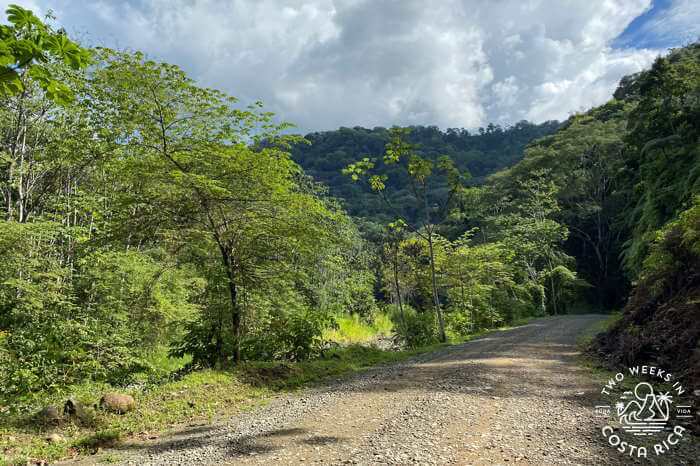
(530, 365)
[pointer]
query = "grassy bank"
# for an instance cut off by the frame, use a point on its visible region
(198, 397)
(604, 325)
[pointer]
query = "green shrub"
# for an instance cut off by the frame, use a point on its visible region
(459, 323)
(97, 320)
(292, 336)
(414, 328)
(382, 323)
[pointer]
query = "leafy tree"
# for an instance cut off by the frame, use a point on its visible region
(661, 173)
(199, 171)
(395, 233)
(430, 210)
(474, 274)
(525, 224)
(27, 47)
(95, 319)
(45, 148)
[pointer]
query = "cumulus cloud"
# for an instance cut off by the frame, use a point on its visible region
(326, 63)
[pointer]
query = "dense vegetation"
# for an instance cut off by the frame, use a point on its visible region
(479, 153)
(660, 222)
(143, 214)
(626, 177)
(140, 213)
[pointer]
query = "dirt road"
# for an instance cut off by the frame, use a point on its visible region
(515, 396)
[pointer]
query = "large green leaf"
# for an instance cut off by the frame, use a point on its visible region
(21, 17)
(10, 83)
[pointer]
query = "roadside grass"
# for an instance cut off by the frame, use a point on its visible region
(593, 365)
(351, 329)
(198, 398)
(164, 362)
(587, 337)
(522, 321)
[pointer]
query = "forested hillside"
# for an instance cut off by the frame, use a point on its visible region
(479, 153)
(660, 180)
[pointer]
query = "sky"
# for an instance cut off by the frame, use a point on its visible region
(321, 64)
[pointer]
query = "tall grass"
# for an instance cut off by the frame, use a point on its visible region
(354, 330)
(160, 360)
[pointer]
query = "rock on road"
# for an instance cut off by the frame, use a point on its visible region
(514, 396)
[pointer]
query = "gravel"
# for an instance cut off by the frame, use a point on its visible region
(516, 396)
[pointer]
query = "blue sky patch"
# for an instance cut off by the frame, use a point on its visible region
(667, 24)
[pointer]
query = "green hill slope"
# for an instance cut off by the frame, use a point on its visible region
(481, 153)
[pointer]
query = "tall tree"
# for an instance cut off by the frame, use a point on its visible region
(431, 208)
(198, 169)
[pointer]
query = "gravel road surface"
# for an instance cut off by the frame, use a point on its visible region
(514, 396)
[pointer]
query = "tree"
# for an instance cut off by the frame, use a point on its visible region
(38, 69)
(660, 175)
(200, 171)
(27, 47)
(430, 209)
(395, 233)
(481, 285)
(74, 305)
(584, 160)
(526, 226)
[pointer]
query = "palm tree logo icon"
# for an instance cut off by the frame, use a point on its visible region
(643, 412)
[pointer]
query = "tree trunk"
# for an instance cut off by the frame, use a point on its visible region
(553, 292)
(436, 298)
(553, 296)
(471, 312)
(398, 288)
(8, 190)
(21, 194)
(461, 295)
(235, 310)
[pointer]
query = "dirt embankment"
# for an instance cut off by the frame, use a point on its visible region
(661, 321)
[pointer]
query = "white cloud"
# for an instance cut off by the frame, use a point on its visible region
(326, 63)
(592, 86)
